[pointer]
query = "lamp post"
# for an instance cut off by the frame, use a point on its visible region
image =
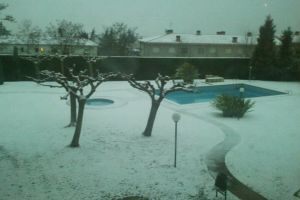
(242, 90)
(176, 118)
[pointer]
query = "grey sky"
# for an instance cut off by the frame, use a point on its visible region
(152, 17)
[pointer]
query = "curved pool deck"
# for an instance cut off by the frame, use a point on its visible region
(215, 160)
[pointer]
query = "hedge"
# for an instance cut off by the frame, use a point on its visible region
(16, 69)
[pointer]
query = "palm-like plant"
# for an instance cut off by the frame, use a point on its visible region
(232, 106)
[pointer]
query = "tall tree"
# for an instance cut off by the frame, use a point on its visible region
(156, 92)
(9, 18)
(264, 55)
(297, 55)
(286, 54)
(67, 34)
(93, 35)
(117, 40)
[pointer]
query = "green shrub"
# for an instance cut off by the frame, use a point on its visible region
(232, 106)
(187, 72)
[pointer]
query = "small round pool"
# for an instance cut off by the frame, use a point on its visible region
(99, 102)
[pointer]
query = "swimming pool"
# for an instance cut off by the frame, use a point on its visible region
(208, 93)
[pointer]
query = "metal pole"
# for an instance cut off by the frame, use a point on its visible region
(175, 159)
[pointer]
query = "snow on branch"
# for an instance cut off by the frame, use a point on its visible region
(161, 82)
(145, 86)
(76, 83)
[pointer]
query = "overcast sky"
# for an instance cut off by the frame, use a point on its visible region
(152, 17)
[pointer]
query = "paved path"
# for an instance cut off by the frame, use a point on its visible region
(215, 161)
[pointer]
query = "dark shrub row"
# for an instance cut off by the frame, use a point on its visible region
(15, 68)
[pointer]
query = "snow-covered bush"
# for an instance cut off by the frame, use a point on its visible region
(232, 106)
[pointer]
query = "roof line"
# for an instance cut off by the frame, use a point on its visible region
(157, 37)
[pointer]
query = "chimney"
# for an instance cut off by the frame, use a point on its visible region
(249, 34)
(234, 39)
(169, 31)
(297, 33)
(177, 38)
(198, 32)
(221, 33)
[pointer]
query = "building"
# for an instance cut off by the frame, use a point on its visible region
(197, 45)
(45, 46)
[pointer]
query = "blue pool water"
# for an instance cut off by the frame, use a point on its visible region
(208, 93)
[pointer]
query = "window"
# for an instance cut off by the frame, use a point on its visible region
(155, 50)
(172, 50)
(228, 51)
(201, 51)
(86, 51)
(240, 51)
(184, 50)
(212, 50)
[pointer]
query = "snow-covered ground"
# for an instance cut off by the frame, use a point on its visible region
(115, 160)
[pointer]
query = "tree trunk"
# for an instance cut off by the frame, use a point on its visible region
(91, 71)
(75, 140)
(154, 107)
(62, 67)
(37, 70)
(1, 74)
(72, 110)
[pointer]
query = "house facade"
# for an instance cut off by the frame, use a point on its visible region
(197, 45)
(46, 46)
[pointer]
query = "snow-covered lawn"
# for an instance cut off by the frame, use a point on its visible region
(115, 160)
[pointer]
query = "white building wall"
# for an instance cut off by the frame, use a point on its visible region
(195, 50)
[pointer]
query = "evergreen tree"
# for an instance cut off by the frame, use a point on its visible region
(264, 55)
(296, 46)
(286, 54)
(117, 40)
(93, 35)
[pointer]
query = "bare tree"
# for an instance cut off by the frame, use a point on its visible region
(156, 92)
(30, 34)
(66, 33)
(61, 59)
(44, 76)
(91, 60)
(80, 86)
